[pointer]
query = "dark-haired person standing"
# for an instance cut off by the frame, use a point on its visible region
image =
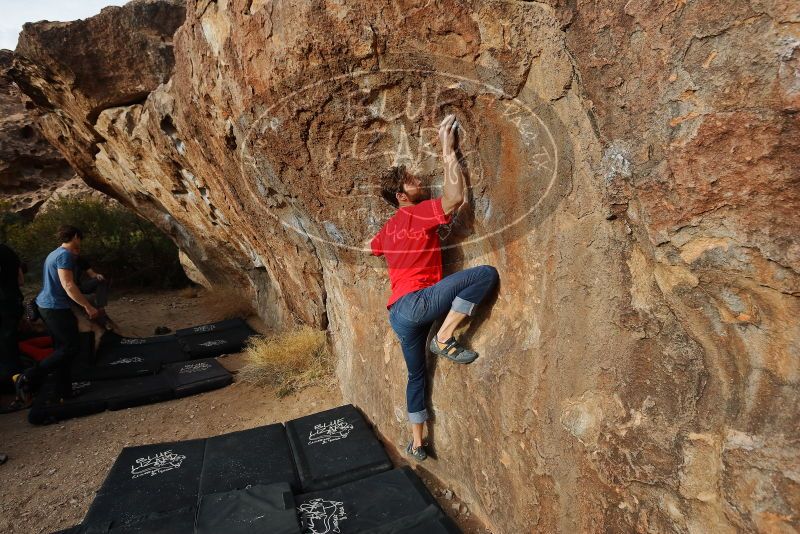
(11, 310)
(54, 302)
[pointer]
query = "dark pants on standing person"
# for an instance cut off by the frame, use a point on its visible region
(63, 328)
(10, 363)
(412, 315)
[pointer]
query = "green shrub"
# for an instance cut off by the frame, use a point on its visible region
(116, 241)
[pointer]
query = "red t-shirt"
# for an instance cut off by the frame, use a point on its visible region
(411, 246)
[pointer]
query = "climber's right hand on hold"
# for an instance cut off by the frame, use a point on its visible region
(447, 135)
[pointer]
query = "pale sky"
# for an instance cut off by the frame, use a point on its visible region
(15, 13)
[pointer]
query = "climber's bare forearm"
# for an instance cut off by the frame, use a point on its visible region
(453, 190)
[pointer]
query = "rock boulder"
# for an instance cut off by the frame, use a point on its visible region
(633, 177)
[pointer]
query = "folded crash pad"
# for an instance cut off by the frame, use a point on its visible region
(146, 482)
(257, 456)
(365, 504)
(334, 447)
(207, 341)
(258, 508)
(191, 377)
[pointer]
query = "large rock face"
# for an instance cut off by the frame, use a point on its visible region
(30, 168)
(633, 177)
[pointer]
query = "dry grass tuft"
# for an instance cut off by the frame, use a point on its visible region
(289, 361)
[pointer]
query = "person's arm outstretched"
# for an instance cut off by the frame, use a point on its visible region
(453, 190)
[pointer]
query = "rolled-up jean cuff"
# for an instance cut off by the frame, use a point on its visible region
(418, 417)
(462, 306)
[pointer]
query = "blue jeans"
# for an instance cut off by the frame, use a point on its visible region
(412, 314)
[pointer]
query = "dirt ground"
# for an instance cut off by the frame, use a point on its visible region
(53, 471)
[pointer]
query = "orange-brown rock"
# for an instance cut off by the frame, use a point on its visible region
(30, 168)
(633, 177)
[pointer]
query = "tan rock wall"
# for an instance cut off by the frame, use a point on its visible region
(633, 173)
(30, 168)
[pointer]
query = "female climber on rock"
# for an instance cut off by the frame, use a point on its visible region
(410, 243)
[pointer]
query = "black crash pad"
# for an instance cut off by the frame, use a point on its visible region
(167, 350)
(134, 391)
(210, 327)
(195, 376)
(431, 520)
(173, 522)
(47, 408)
(119, 367)
(257, 456)
(207, 341)
(119, 357)
(112, 339)
(334, 447)
(365, 504)
(147, 481)
(258, 508)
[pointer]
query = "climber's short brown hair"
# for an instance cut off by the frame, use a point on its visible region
(392, 181)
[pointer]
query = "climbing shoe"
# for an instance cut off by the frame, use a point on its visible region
(418, 453)
(453, 351)
(22, 388)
